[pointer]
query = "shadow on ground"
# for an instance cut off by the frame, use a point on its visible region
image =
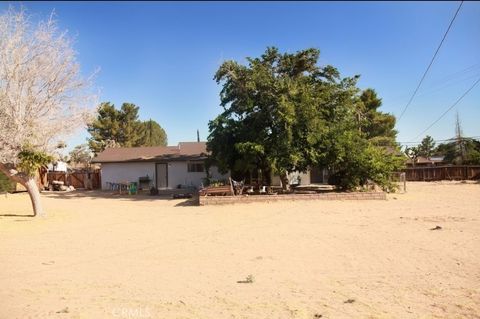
(96, 194)
(17, 215)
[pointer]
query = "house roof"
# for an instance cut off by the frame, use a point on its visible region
(426, 160)
(183, 151)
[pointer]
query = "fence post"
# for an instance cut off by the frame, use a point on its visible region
(404, 177)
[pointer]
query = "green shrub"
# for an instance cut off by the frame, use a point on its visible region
(6, 185)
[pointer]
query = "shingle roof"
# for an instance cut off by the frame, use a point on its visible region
(184, 151)
(426, 160)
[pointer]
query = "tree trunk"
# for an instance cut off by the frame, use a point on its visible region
(29, 183)
(284, 180)
(34, 193)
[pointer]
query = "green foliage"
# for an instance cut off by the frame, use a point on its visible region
(152, 134)
(368, 163)
(130, 126)
(426, 147)
(30, 161)
(462, 151)
(106, 127)
(284, 113)
(124, 128)
(355, 161)
(270, 107)
(6, 185)
(377, 126)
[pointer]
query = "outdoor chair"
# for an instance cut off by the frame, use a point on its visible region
(263, 190)
(238, 187)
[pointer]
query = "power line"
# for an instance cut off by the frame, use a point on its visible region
(444, 82)
(444, 140)
(431, 62)
(451, 107)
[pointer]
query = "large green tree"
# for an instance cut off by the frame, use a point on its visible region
(152, 134)
(426, 147)
(283, 112)
(378, 127)
(122, 128)
(467, 154)
(130, 126)
(105, 128)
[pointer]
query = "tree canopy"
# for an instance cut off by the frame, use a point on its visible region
(377, 126)
(152, 134)
(123, 128)
(462, 151)
(282, 112)
(426, 147)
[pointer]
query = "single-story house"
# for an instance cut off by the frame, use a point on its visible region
(422, 161)
(163, 167)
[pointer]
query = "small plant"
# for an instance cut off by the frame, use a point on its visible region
(31, 160)
(248, 280)
(6, 185)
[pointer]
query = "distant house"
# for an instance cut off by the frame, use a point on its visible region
(426, 161)
(163, 167)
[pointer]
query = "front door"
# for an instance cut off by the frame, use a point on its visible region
(162, 175)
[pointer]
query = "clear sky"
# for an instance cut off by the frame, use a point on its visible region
(162, 56)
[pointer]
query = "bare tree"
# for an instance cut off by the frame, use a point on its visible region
(43, 96)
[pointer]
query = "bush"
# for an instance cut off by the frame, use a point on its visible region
(6, 185)
(359, 162)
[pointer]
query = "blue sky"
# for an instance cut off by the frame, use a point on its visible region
(162, 56)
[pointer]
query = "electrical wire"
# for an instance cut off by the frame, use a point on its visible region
(431, 62)
(447, 110)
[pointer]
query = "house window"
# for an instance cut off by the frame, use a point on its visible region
(197, 167)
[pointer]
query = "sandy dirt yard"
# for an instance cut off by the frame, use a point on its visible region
(96, 256)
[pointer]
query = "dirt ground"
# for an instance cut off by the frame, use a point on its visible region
(97, 256)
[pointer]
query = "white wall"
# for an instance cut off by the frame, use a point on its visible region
(177, 173)
(217, 175)
(126, 172)
(293, 178)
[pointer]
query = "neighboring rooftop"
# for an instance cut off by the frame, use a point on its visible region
(183, 151)
(426, 160)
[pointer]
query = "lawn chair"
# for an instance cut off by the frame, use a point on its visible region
(263, 190)
(238, 186)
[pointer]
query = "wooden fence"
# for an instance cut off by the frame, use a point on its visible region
(75, 179)
(437, 173)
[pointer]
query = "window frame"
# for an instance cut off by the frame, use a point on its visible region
(193, 167)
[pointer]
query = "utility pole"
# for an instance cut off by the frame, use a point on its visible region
(198, 136)
(459, 141)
